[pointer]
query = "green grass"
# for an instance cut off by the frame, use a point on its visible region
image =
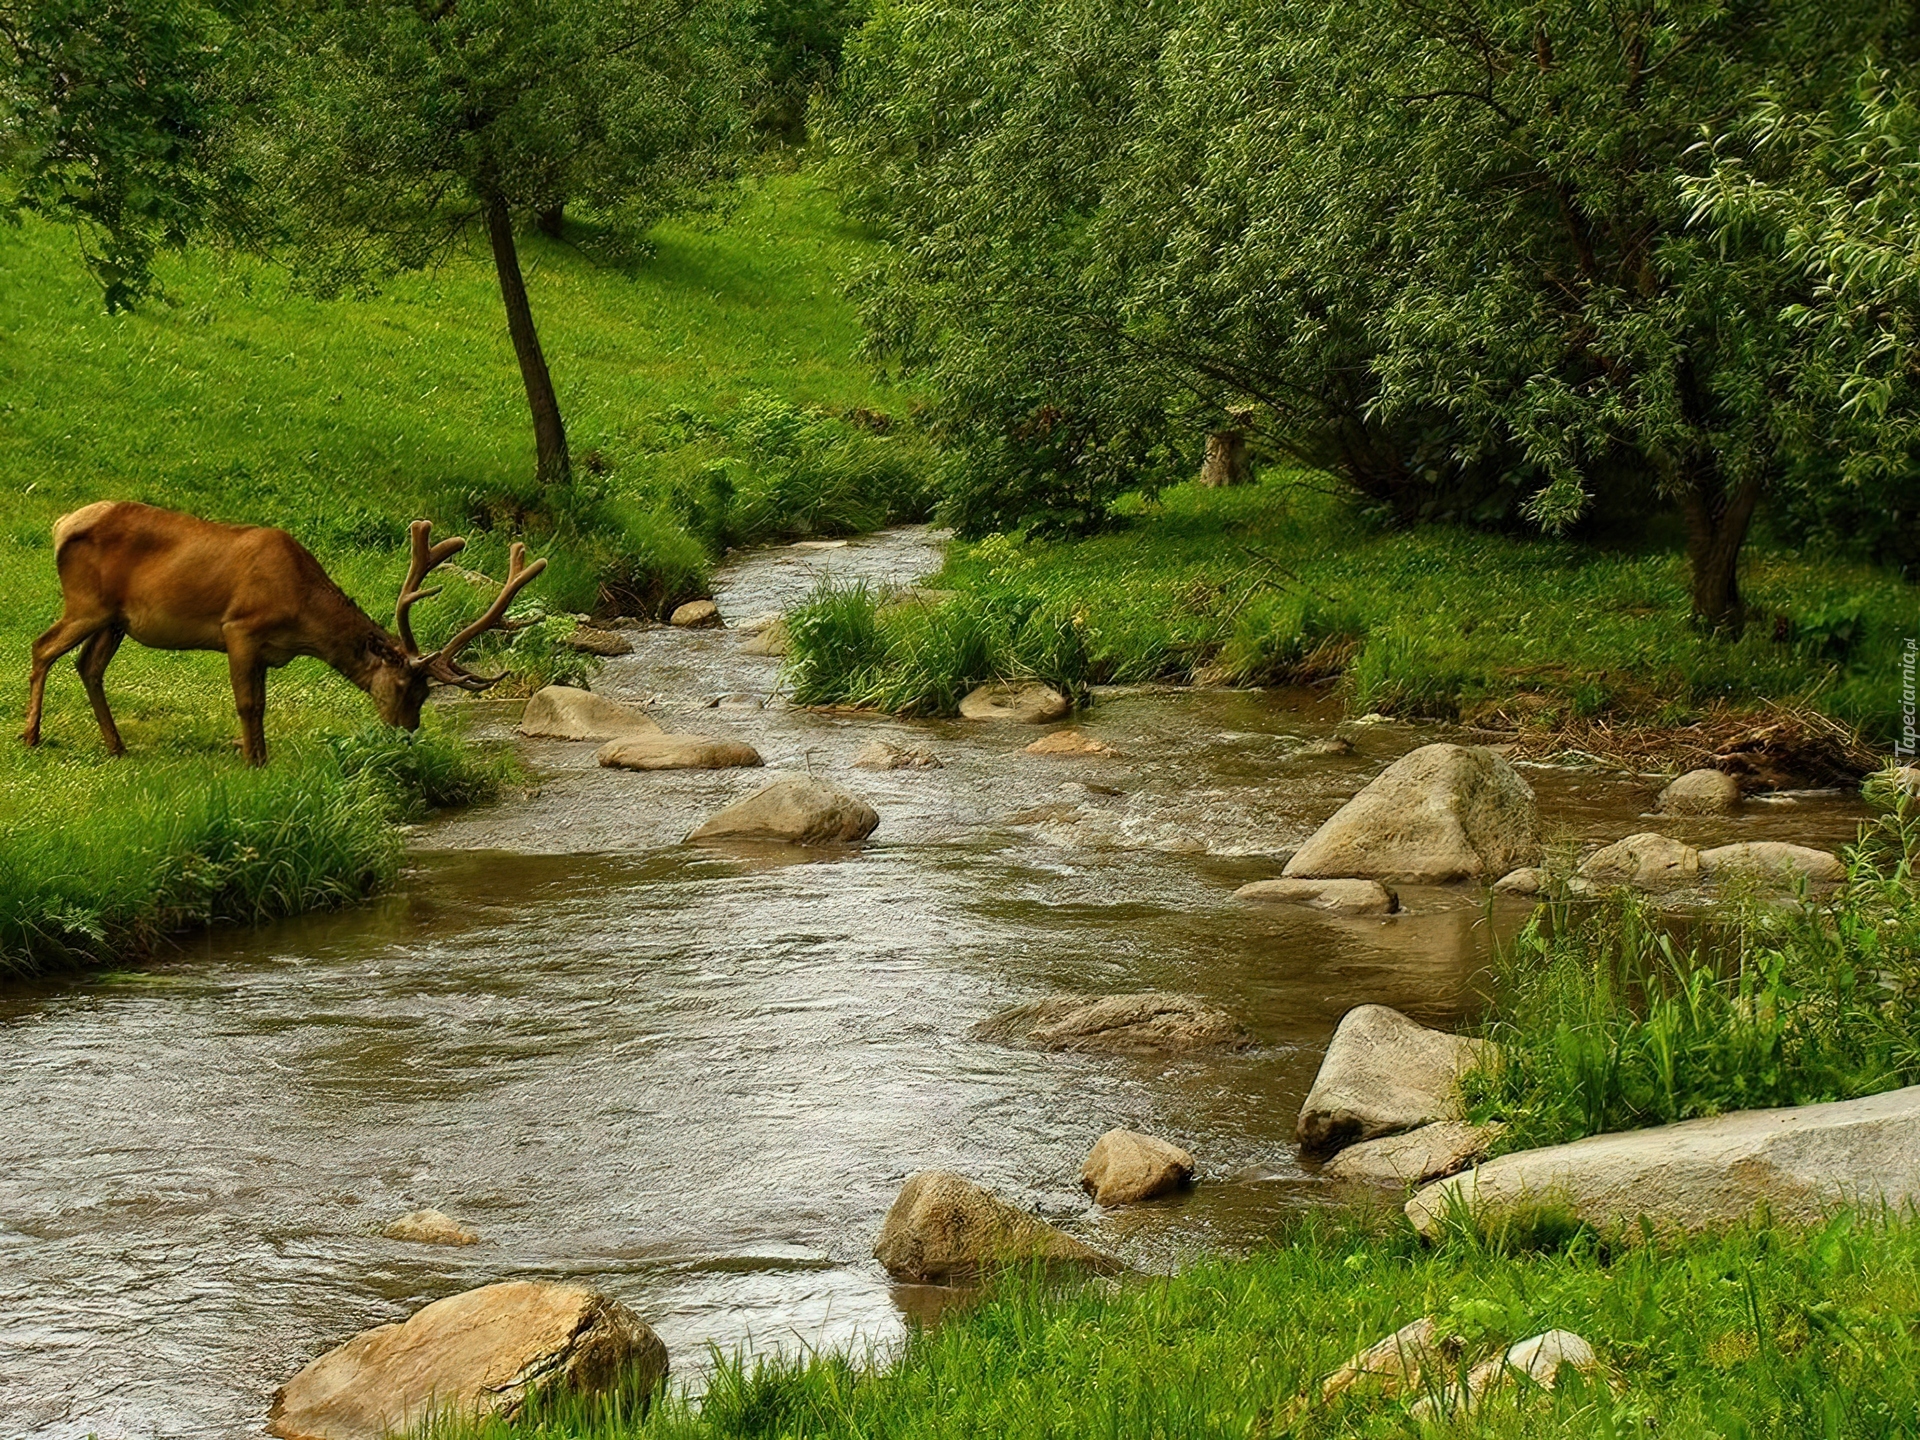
(1280, 581)
(703, 374)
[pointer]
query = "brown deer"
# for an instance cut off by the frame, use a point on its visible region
(177, 582)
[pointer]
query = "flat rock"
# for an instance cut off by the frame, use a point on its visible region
(795, 809)
(1125, 1166)
(1414, 1157)
(1773, 861)
(1439, 814)
(1527, 880)
(1540, 1360)
(944, 1227)
(477, 1354)
(1647, 861)
(565, 712)
(1383, 1074)
(1341, 897)
(1700, 792)
(1800, 1162)
(1026, 704)
(879, 755)
(1151, 1023)
(695, 614)
(430, 1227)
(1069, 742)
(676, 752)
(590, 641)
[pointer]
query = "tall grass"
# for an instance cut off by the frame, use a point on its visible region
(1621, 1018)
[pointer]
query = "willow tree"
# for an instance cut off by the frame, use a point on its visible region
(395, 130)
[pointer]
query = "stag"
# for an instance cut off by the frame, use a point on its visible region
(176, 582)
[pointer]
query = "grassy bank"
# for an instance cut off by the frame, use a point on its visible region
(1281, 581)
(714, 398)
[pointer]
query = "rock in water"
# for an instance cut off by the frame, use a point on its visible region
(1383, 1074)
(676, 752)
(589, 641)
(1773, 861)
(1646, 861)
(1700, 792)
(1125, 1166)
(944, 1227)
(1069, 742)
(1029, 704)
(468, 1356)
(1152, 1023)
(695, 614)
(1341, 897)
(1528, 880)
(562, 712)
(794, 809)
(879, 755)
(768, 640)
(1413, 1157)
(1800, 1162)
(1441, 813)
(429, 1227)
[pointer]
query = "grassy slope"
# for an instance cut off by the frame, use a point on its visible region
(243, 400)
(1278, 580)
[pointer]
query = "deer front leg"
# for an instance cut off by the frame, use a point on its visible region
(249, 673)
(94, 659)
(60, 637)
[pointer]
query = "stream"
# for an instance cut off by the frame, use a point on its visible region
(694, 1078)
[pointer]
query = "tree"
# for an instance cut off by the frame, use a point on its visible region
(108, 115)
(394, 129)
(1446, 251)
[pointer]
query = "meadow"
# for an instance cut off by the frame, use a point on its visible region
(706, 371)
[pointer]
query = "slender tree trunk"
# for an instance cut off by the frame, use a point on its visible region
(549, 430)
(552, 222)
(1717, 525)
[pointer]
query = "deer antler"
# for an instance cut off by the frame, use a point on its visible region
(442, 665)
(425, 558)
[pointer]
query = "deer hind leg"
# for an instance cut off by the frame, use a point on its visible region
(60, 637)
(249, 673)
(95, 656)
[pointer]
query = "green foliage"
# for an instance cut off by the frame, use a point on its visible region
(1622, 1019)
(795, 49)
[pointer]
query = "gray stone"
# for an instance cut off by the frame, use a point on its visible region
(943, 1227)
(1700, 792)
(470, 1356)
(794, 809)
(676, 752)
(565, 712)
(1151, 1023)
(1647, 861)
(1030, 703)
(1800, 1162)
(1441, 813)
(1340, 897)
(1125, 1166)
(1772, 861)
(1413, 1157)
(429, 1227)
(1382, 1074)
(695, 614)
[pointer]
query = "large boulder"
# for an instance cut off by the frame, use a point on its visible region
(1340, 897)
(1151, 1023)
(1125, 1166)
(563, 712)
(1413, 1157)
(430, 1227)
(1773, 862)
(676, 752)
(795, 809)
(1438, 814)
(1798, 1162)
(1700, 792)
(1382, 1074)
(1646, 861)
(944, 1227)
(1030, 703)
(695, 614)
(477, 1354)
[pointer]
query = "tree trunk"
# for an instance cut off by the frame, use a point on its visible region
(549, 431)
(552, 222)
(1226, 462)
(1717, 525)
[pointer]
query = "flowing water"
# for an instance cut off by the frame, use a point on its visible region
(695, 1078)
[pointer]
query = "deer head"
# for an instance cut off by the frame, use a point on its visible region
(400, 689)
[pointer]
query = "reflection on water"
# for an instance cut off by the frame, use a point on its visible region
(691, 1077)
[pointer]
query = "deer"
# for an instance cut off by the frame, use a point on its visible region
(176, 582)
